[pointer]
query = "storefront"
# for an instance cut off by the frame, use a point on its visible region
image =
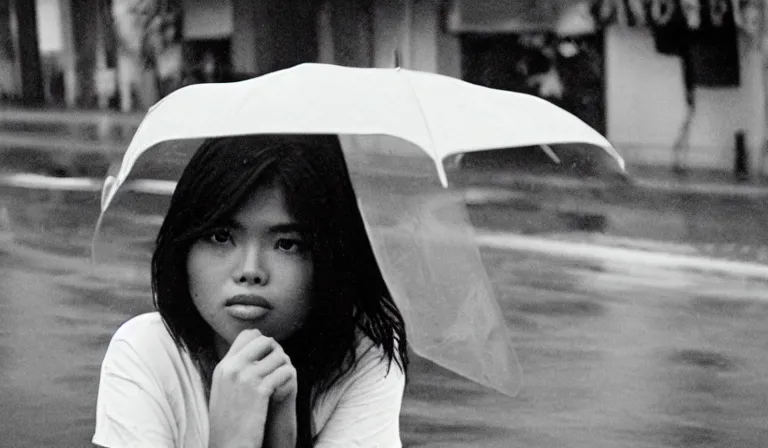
(676, 79)
(20, 71)
(601, 60)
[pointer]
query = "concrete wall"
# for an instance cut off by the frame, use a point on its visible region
(423, 36)
(49, 33)
(10, 84)
(416, 28)
(389, 32)
(204, 19)
(245, 45)
(646, 105)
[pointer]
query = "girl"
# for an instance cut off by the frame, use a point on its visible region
(274, 326)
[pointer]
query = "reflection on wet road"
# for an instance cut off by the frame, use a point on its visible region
(614, 354)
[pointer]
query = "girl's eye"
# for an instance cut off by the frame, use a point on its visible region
(220, 236)
(289, 245)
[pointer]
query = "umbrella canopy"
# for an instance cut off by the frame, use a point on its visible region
(395, 127)
(442, 115)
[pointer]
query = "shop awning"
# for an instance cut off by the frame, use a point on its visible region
(509, 16)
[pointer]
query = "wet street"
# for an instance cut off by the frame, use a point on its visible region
(639, 319)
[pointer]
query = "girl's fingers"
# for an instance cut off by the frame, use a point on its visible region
(270, 363)
(279, 377)
(249, 347)
(243, 339)
(258, 349)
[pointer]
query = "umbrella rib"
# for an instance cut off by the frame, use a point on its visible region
(415, 96)
(548, 151)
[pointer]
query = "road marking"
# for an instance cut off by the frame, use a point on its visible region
(40, 182)
(511, 241)
(151, 186)
(482, 196)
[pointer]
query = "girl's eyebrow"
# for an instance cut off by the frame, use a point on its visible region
(289, 227)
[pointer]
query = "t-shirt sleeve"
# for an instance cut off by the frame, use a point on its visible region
(368, 412)
(131, 408)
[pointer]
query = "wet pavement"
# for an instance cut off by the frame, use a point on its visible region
(616, 351)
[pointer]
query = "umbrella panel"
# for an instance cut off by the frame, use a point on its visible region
(424, 243)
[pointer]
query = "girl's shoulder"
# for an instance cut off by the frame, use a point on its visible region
(143, 345)
(143, 362)
(370, 391)
(147, 326)
(372, 361)
(366, 349)
(371, 365)
(146, 335)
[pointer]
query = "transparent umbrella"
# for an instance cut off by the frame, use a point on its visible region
(396, 128)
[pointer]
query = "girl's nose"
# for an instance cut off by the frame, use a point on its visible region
(250, 270)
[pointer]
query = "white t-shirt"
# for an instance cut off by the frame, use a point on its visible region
(151, 395)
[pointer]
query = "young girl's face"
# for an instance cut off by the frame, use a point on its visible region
(254, 271)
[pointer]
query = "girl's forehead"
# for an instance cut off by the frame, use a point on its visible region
(266, 204)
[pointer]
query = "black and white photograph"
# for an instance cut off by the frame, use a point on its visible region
(384, 223)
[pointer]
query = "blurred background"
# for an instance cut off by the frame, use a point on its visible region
(636, 300)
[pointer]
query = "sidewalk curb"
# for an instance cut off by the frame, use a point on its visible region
(63, 144)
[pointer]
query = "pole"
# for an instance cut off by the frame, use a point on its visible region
(32, 92)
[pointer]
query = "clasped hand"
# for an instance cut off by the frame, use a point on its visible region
(254, 380)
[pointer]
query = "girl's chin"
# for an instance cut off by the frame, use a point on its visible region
(237, 327)
(226, 337)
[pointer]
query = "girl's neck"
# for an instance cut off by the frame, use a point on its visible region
(206, 361)
(220, 347)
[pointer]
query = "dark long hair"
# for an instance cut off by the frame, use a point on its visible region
(349, 291)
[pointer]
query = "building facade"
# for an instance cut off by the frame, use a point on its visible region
(598, 59)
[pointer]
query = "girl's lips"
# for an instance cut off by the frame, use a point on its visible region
(246, 312)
